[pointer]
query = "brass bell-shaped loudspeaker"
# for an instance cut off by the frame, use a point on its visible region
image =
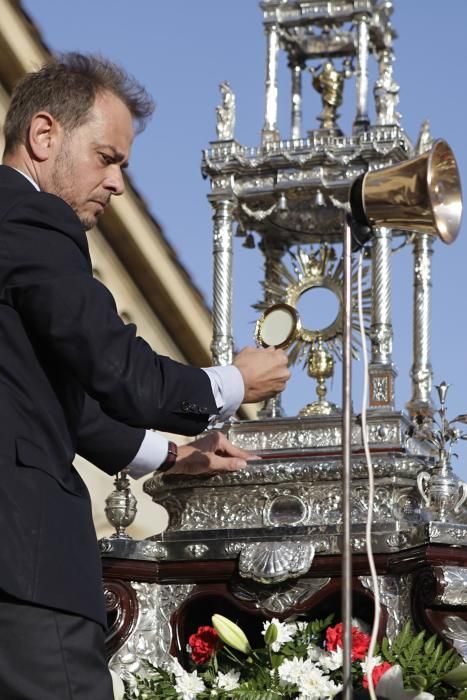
(422, 194)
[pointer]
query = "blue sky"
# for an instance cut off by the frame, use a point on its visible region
(181, 50)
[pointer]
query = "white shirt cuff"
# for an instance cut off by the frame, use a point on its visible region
(151, 454)
(228, 390)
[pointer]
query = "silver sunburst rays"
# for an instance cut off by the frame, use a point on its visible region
(288, 281)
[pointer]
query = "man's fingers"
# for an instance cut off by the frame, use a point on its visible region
(264, 371)
(231, 450)
(196, 462)
(218, 463)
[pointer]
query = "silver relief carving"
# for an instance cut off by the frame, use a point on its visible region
(152, 635)
(394, 594)
(380, 392)
(153, 550)
(105, 546)
(455, 629)
(304, 504)
(272, 562)
(197, 551)
(234, 547)
(391, 143)
(284, 436)
(221, 184)
(283, 598)
(454, 582)
(446, 533)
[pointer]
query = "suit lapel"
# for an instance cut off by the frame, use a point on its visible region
(11, 178)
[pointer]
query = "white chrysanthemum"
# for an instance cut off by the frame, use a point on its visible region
(314, 685)
(321, 693)
(229, 680)
(331, 660)
(189, 685)
(292, 628)
(291, 670)
(314, 652)
(285, 632)
(300, 625)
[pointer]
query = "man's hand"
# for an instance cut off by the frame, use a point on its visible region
(264, 371)
(209, 454)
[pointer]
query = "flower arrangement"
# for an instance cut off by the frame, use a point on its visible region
(303, 660)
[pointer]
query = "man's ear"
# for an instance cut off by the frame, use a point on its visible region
(43, 136)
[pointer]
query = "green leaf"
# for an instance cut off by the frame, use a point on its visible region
(386, 651)
(405, 635)
(443, 664)
(418, 682)
(430, 645)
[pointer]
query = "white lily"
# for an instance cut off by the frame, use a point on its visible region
(391, 686)
(230, 633)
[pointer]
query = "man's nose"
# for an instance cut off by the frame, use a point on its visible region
(114, 181)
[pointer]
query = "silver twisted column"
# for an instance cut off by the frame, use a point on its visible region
(270, 132)
(363, 39)
(222, 340)
(421, 372)
(382, 371)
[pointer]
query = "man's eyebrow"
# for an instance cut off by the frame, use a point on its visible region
(117, 156)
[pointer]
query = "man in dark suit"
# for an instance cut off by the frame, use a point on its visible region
(75, 379)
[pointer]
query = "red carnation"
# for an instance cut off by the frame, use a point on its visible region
(360, 641)
(378, 671)
(204, 644)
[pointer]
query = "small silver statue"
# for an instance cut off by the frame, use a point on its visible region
(425, 139)
(386, 91)
(329, 82)
(226, 113)
(441, 490)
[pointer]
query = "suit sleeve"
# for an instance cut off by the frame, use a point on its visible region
(105, 442)
(74, 316)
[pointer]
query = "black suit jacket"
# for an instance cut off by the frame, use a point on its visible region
(73, 379)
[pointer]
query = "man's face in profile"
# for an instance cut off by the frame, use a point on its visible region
(87, 169)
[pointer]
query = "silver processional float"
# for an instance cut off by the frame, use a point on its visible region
(291, 528)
